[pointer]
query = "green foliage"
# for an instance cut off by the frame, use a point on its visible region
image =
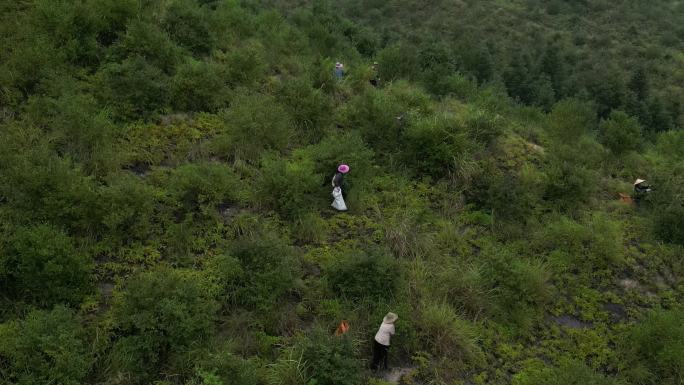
(200, 187)
(330, 359)
(569, 372)
(45, 347)
(179, 153)
(359, 275)
(286, 187)
(41, 264)
(198, 86)
(434, 145)
(187, 25)
(620, 133)
(254, 124)
(570, 119)
(133, 88)
(267, 270)
(157, 317)
(653, 349)
(449, 335)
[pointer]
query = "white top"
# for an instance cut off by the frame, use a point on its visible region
(384, 333)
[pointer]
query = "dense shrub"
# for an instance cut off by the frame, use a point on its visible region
(620, 133)
(654, 349)
(290, 188)
(360, 276)
(519, 286)
(569, 372)
(37, 185)
(200, 186)
(310, 108)
(267, 270)
(134, 88)
(129, 208)
(435, 145)
(330, 360)
(41, 264)
(198, 86)
(449, 335)
(187, 25)
(157, 317)
(45, 347)
(145, 39)
(255, 123)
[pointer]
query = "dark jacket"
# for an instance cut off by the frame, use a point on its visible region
(338, 179)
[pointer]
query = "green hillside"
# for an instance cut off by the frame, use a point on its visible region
(165, 191)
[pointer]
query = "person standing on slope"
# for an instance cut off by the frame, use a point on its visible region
(381, 342)
(339, 188)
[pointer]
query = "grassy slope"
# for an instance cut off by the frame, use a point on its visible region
(490, 228)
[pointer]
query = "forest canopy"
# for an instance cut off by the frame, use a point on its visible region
(165, 171)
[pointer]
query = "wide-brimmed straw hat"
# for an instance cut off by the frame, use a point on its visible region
(639, 181)
(339, 65)
(343, 168)
(390, 318)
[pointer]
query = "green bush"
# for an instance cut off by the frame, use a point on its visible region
(291, 188)
(310, 108)
(268, 269)
(157, 317)
(669, 223)
(41, 264)
(198, 86)
(133, 88)
(243, 66)
(80, 128)
(398, 61)
(449, 335)
(36, 184)
(569, 372)
(359, 276)
(519, 286)
(221, 366)
(129, 207)
(145, 39)
(435, 145)
(464, 288)
(46, 347)
(654, 349)
(381, 116)
(330, 360)
(188, 26)
(571, 119)
(255, 124)
(620, 133)
(200, 187)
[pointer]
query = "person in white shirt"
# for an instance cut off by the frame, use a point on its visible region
(381, 342)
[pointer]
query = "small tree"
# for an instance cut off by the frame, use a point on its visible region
(620, 133)
(157, 318)
(42, 265)
(46, 347)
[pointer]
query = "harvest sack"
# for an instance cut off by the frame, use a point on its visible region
(338, 202)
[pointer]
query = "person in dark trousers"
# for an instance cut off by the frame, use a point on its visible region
(381, 342)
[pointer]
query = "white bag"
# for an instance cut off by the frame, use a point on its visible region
(338, 202)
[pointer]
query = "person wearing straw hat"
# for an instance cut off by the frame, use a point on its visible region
(339, 71)
(375, 79)
(641, 189)
(381, 342)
